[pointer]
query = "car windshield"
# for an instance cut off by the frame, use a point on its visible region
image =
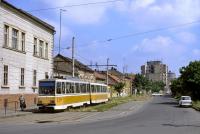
(47, 88)
(186, 98)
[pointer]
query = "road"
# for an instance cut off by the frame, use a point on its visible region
(159, 116)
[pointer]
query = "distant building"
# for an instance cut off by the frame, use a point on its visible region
(171, 76)
(25, 52)
(155, 71)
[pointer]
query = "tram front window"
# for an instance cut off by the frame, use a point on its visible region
(47, 88)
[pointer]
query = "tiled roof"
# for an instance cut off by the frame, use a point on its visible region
(78, 64)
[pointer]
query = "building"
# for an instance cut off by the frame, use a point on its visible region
(155, 71)
(26, 56)
(171, 76)
(63, 69)
(121, 77)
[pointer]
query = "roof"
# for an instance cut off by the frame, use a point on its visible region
(77, 63)
(39, 21)
(101, 75)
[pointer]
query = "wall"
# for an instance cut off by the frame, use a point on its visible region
(17, 60)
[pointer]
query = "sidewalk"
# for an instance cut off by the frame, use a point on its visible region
(12, 113)
(71, 117)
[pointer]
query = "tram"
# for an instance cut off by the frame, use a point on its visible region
(60, 94)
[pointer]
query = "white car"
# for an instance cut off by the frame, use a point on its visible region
(185, 101)
(157, 94)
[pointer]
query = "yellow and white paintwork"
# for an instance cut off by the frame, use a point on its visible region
(71, 100)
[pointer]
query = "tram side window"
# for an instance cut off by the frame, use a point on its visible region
(58, 89)
(104, 89)
(88, 88)
(68, 86)
(72, 88)
(98, 88)
(92, 89)
(77, 87)
(63, 87)
(83, 88)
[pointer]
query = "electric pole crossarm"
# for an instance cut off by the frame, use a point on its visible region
(103, 65)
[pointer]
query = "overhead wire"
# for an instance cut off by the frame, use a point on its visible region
(75, 5)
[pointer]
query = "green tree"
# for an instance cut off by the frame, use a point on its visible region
(142, 83)
(189, 81)
(118, 87)
(157, 86)
(190, 77)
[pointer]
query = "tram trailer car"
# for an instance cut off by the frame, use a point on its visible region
(60, 94)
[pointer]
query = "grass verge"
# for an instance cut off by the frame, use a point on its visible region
(112, 103)
(196, 105)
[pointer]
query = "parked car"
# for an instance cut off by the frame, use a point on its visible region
(185, 101)
(156, 94)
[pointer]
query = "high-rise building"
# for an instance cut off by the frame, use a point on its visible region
(155, 71)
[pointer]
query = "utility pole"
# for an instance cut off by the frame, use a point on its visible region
(61, 10)
(107, 71)
(73, 56)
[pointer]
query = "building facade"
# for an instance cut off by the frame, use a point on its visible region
(155, 71)
(26, 51)
(63, 69)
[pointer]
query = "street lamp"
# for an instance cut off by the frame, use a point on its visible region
(61, 10)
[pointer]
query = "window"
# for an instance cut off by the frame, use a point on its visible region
(23, 41)
(34, 77)
(41, 49)
(35, 47)
(14, 38)
(46, 51)
(5, 75)
(58, 91)
(77, 88)
(46, 75)
(63, 87)
(22, 77)
(6, 35)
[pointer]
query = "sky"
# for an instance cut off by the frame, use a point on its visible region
(168, 30)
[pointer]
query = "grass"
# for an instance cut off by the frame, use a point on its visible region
(196, 105)
(110, 104)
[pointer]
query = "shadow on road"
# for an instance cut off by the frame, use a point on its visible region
(180, 125)
(168, 103)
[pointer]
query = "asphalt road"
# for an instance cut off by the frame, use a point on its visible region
(160, 116)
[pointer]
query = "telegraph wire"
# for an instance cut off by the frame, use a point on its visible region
(76, 5)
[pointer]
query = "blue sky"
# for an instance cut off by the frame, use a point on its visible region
(92, 25)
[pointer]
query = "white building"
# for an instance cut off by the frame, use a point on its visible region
(26, 50)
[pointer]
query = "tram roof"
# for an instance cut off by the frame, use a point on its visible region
(67, 79)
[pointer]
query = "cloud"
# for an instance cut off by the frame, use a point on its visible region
(88, 14)
(196, 52)
(186, 37)
(148, 14)
(159, 47)
(156, 44)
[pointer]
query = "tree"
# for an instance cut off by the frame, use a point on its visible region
(118, 87)
(158, 86)
(189, 81)
(142, 83)
(190, 76)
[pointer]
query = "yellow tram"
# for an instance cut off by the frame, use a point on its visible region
(59, 94)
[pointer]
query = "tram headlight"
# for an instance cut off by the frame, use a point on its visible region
(39, 102)
(52, 101)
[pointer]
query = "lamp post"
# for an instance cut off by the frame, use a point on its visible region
(61, 10)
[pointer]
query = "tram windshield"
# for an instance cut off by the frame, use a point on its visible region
(46, 88)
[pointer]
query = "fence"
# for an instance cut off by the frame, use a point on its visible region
(9, 105)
